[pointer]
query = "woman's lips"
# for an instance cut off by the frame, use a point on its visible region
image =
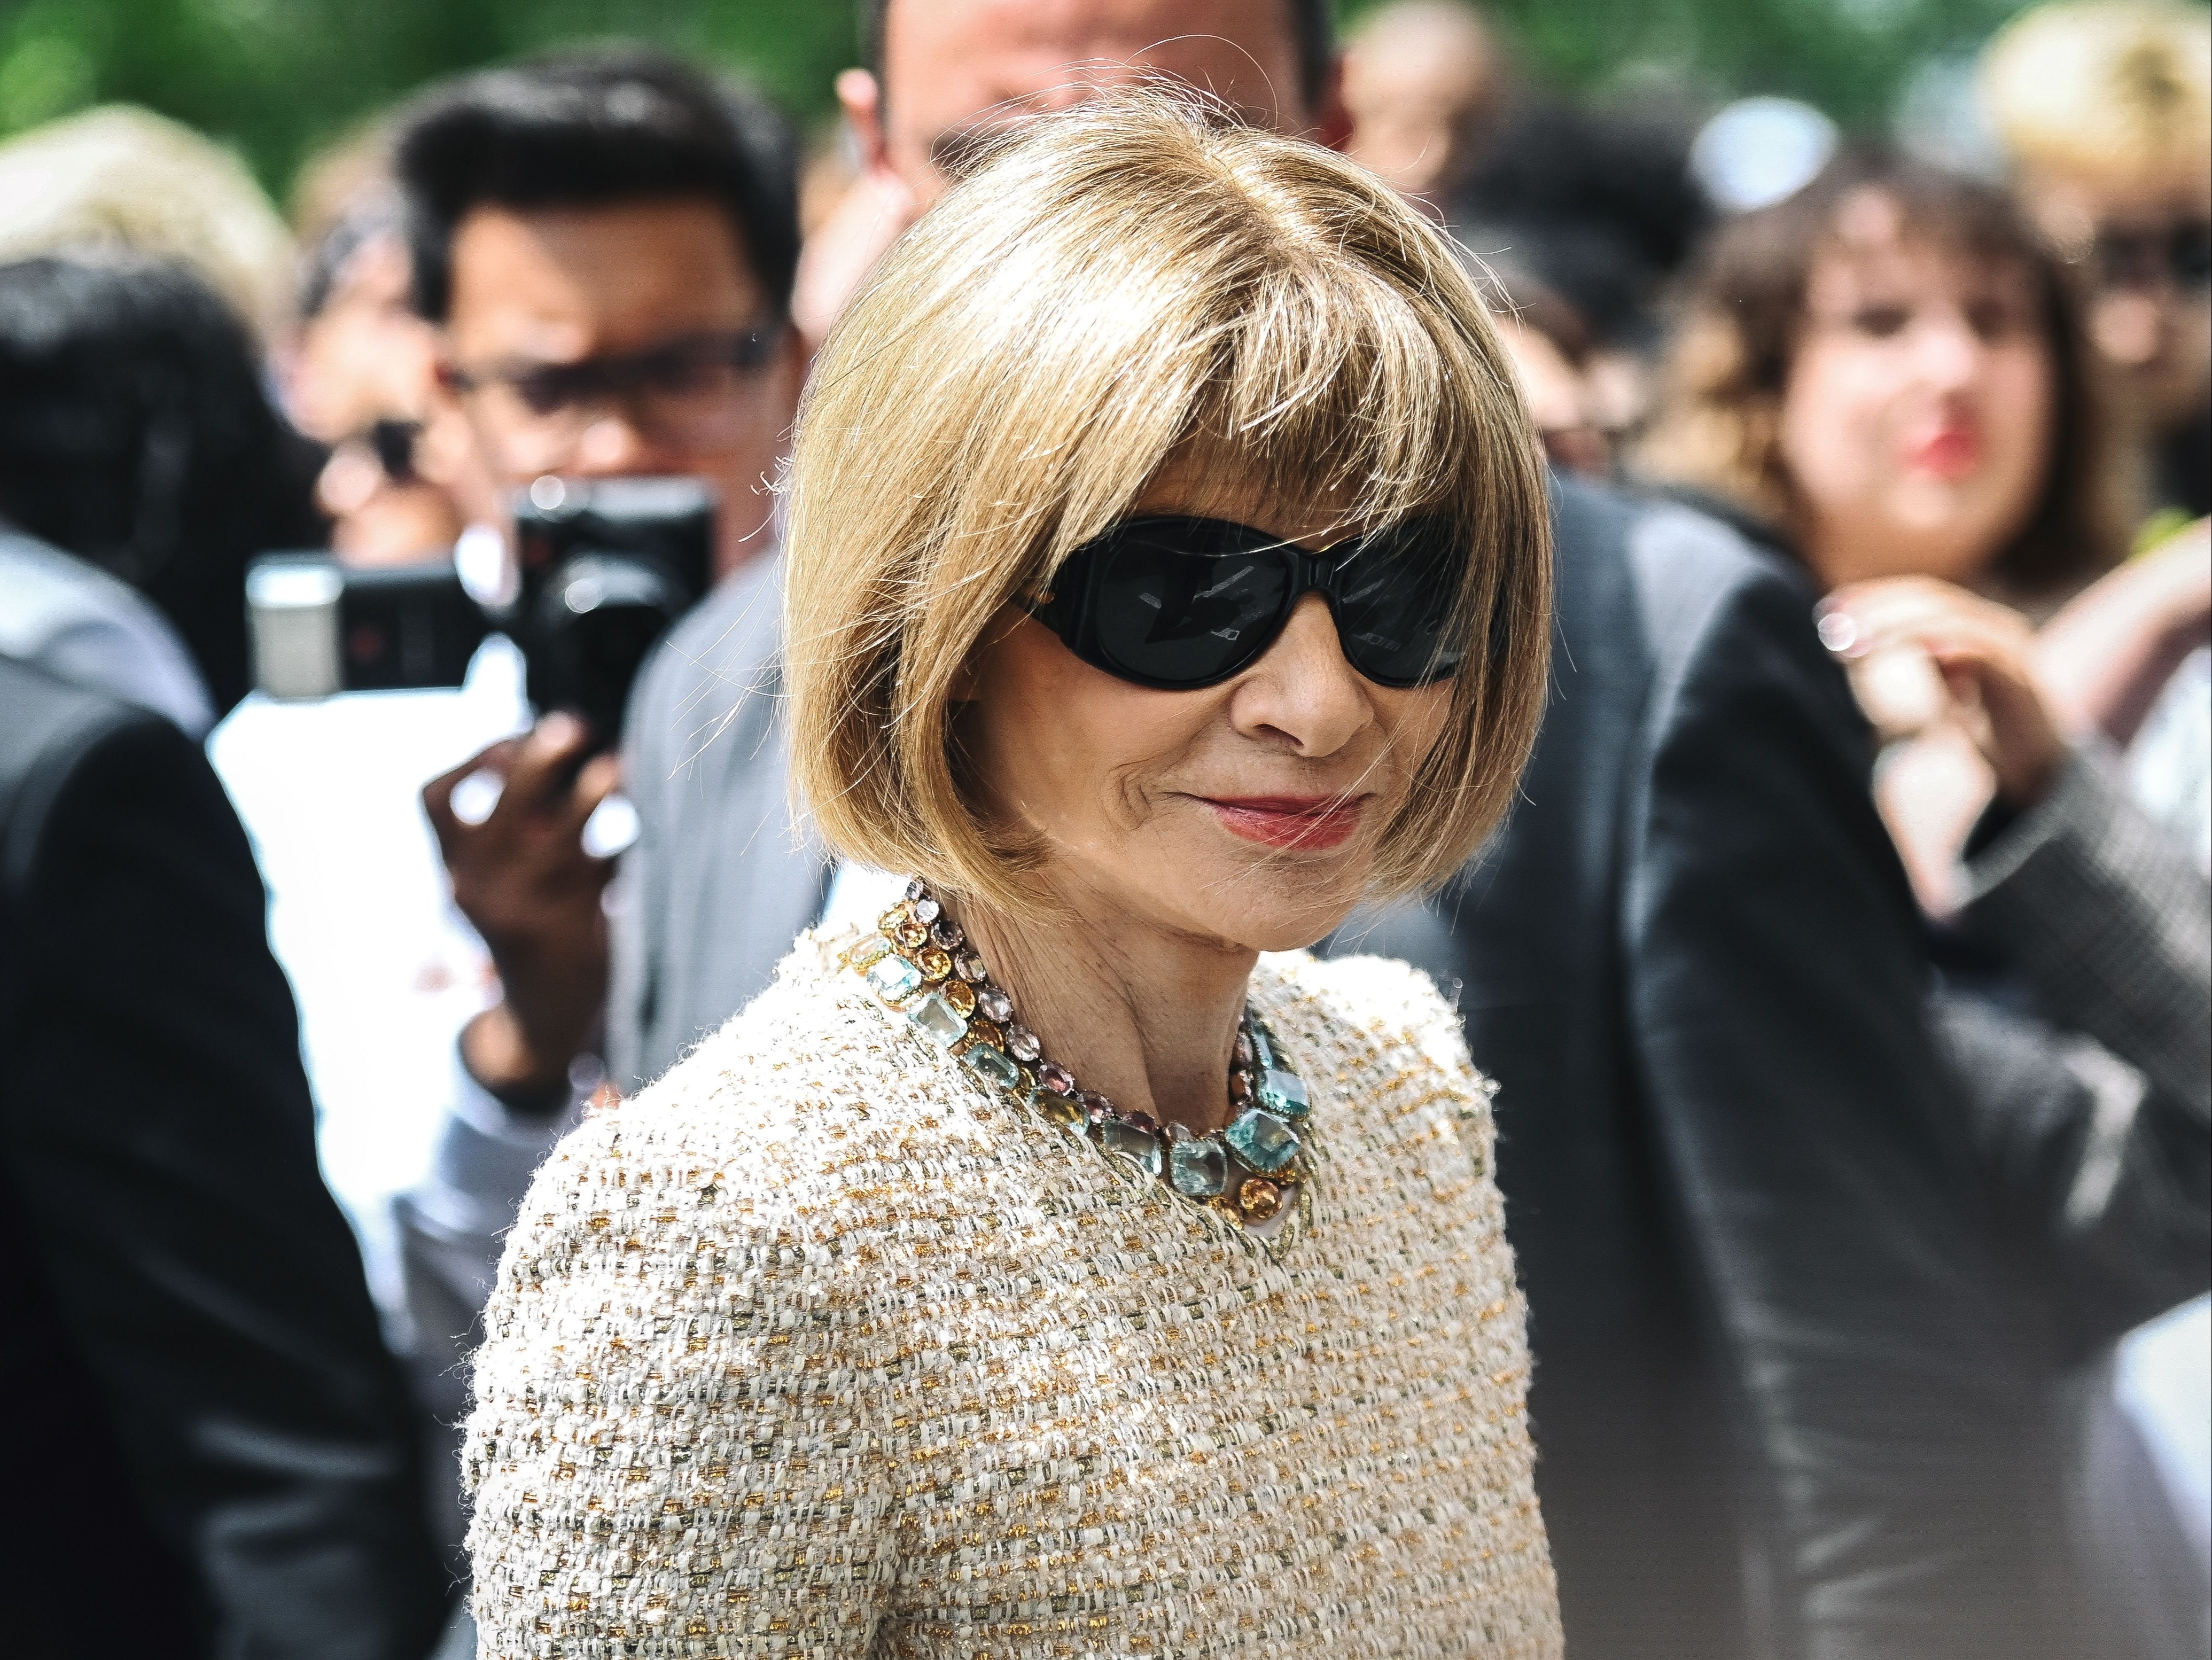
(1949, 452)
(1287, 821)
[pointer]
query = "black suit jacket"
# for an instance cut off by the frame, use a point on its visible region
(208, 1452)
(1780, 1404)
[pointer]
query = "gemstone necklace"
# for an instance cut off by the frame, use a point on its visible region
(919, 963)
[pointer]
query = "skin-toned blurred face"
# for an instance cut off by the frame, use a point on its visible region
(1419, 81)
(954, 70)
(2150, 321)
(1241, 815)
(953, 66)
(1917, 419)
(560, 286)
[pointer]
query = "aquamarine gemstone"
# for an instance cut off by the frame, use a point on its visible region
(1261, 1140)
(1198, 1168)
(894, 978)
(873, 949)
(1131, 1143)
(938, 1020)
(1263, 1052)
(992, 1067)
(1284, 1094)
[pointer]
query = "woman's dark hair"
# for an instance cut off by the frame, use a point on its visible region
(596, 129)
(1741, 316)
(136, 433)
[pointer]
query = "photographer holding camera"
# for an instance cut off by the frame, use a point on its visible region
(607, 255)
(603, 242)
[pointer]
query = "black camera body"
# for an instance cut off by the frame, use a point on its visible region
(602, 570)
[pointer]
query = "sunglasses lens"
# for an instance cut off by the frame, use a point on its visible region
(1184, 602)
(1394, 603)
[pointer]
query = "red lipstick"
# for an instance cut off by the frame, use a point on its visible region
(1950, 452)
(1289, 821)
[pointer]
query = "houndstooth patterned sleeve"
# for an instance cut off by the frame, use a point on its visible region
(2110, 923)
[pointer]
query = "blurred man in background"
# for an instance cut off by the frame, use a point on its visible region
(1425, 83)
(357, 367)
(603, 244)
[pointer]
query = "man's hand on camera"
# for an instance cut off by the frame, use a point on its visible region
(521, 875)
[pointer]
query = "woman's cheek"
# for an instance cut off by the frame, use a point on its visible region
(2019, 413)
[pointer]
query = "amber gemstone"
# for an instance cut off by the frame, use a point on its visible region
(934, 964)
(911, 934)
(1260, 1198)
(984, 1031)
(894, 919)
(870, 950)
(961, 995)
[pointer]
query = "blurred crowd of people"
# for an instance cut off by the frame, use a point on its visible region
(1845, 970)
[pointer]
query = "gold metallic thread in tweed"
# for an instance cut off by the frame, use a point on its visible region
(821, 1347)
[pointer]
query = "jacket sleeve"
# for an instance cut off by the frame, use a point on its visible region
(161, 1143)
(2102, 1128)
(2111, 924)
(1776, 982)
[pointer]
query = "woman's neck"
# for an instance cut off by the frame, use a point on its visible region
(1140, 1013)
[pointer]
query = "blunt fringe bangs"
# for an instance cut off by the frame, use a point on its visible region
(1135, 281)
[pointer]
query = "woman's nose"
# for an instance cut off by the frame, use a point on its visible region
(1950, 352)
(1302, 690)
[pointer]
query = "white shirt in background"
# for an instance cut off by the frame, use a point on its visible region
(385, 970)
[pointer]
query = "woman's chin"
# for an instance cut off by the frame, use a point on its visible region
(1296, 909)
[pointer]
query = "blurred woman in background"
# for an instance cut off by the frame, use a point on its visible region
(1887, 376)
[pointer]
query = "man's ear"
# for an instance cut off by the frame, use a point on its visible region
(861, 97)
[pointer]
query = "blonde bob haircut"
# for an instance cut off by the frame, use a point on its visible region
(1135, 280)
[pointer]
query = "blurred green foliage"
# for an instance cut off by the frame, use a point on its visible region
(276, 78)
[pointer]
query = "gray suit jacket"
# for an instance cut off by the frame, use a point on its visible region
(721, 877)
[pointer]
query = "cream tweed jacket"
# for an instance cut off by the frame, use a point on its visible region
(819, 1347)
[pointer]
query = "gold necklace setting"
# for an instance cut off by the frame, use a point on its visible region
(919, 964)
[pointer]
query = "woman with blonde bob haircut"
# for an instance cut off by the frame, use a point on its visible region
(1065, 1262)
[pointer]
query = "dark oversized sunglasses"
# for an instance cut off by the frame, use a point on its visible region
(1179, 603)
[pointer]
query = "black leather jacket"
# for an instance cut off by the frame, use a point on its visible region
(1783, 1401)
(209, 1453)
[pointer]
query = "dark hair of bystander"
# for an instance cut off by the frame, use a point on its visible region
(136, 433)
(593, 128)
